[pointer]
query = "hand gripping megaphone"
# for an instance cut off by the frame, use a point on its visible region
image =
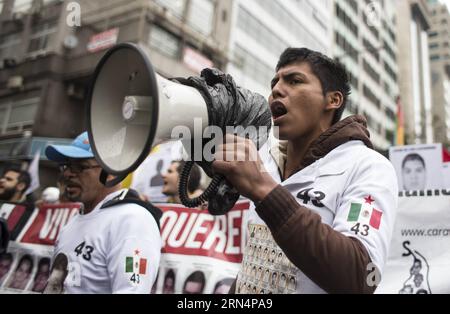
(131, 109)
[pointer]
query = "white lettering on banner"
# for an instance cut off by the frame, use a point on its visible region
(232, 232)
(197, 232)
(167, 222)
(217, 233)
(200, 229)
(172, 241)
(54, 221)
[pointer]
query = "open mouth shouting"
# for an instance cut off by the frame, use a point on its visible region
(278, 110)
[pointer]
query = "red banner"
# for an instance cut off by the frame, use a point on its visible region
(12, 214)
(45, 225)
(196, 232)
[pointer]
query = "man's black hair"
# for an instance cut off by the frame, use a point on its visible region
(331, 73)
(24, 177)
(411, 157)
(196, 276)
(23, 259)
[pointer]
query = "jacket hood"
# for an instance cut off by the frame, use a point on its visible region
(350, 129)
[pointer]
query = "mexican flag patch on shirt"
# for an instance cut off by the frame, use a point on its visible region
(365, 213)
(136, 265)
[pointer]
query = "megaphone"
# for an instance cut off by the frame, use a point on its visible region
(131, 109)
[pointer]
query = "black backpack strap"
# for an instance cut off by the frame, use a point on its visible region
(129, 196)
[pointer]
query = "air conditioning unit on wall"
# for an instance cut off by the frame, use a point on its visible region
(15, 82)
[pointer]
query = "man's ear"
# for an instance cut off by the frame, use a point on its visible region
(20, 187)
(334, 100)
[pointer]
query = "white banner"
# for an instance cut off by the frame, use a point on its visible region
(419, 257)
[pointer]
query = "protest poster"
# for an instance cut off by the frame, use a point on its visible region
(201, 253)
(418, 167)
(418, 260)
(148, 177)
(25, 267)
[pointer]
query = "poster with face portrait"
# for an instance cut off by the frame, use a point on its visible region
(418, 167)
(25, 268)
(148, 179)
(418, 260)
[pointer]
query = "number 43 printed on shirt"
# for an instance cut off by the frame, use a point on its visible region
(315, 200)
(84, 250)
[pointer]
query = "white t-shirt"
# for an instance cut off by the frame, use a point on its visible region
(353, 189)
(111, 250)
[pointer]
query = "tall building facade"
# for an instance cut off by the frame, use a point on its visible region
(413, 23)
(439, 47)
(49, 50)
(364, 40)
(262, 29)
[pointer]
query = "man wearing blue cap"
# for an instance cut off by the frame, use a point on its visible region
(114, 245)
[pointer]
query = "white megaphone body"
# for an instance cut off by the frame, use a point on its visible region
(132, 109)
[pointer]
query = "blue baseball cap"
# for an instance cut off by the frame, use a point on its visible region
(78, 149)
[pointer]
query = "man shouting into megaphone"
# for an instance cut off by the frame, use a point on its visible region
(326, 198)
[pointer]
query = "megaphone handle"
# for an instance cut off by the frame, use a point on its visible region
(104, 177)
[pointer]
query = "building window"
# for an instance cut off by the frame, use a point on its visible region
(371, 96)
(22, 5)
(288, 20)
(41, 36)
(353, 80)
(176, 7)
(433, 46)
(165, 42)
(389, 71)
(432, 34)
(9, 45)
(18, 116)
(346, 20)
(435, 57)
(254, 28)
(371, 49)
(201, 15)
(372, 73)
(346, 46)
(389, 51)
(353, 4)
(252, 66)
